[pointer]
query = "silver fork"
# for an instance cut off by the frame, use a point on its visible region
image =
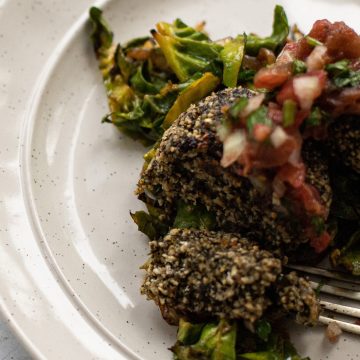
(342, 289)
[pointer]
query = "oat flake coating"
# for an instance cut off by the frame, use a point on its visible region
(296, 296)
(204, 274)
(344, 139)
(187, 167)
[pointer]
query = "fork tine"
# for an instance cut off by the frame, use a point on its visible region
(353, 328)
(333, 290)
(336, 275)
(341, 309)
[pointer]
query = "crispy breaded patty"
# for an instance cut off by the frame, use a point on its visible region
(187, 167)
(204, 274)
(344, 140)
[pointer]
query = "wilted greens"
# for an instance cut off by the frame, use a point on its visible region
(195, 217)
(277, 348)
(141, 86)
(214, 340)
(150, 223)
(151, 80)
(153, 225)
(278, 37)
(223, 340)
(342, 75)
(232, 55)
(186, 50)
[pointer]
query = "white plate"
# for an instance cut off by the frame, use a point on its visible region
(69, 253)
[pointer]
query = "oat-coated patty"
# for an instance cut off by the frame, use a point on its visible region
(187, 167)
(344, 140)
(296, 297)
(199, 273)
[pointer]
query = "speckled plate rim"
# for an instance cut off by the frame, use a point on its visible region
(25, 154)
(16, 184)
(112, 347)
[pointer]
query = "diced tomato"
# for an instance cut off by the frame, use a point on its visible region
(303, 49)
(320, 30)
(310, 198)
(293, 175)
(301, 93)
(272, 76)
(288, 53)
(342, 42)
(320, 243)
(287, 92)
(265, 156)
(300, 117)
(261, 132)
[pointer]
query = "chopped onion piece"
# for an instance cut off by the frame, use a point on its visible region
(222, 132)
(278, 136)
(294, 158)
(317, 59)
(333, 332)
(252, 105)
(234, 145)
(287, 54)
(307, 89)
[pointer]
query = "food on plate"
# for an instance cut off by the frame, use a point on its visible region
(254, 160)
(333, 332)
(200, 274)
(187, 166)
(344, 141)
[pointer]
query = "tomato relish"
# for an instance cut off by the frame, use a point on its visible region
(312, 81)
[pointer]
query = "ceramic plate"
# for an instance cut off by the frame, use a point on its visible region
(69, 253)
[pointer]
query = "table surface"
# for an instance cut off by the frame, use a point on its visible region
(10, 347)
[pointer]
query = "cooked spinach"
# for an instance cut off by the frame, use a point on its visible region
(150, 80)
(214, 340)
(226, 340)
(150, 223)
(193, 216)
(276, 40)
(232, 55)
(186, 50)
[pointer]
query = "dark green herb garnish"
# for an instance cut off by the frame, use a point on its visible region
(315, 117)
(238, 106)
(313, 42)
(259, 116)
(289, 112)
(342, 75)
(298, 67)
